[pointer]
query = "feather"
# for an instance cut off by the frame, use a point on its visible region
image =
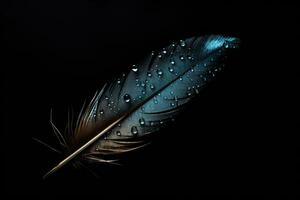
(123, 116)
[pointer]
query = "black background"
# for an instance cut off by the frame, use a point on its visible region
(232, 141)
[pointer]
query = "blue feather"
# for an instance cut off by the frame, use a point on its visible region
(134, 106)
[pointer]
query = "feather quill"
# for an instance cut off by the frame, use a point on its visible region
(121, 117)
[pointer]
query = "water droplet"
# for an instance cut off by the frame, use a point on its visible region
(134, 68)
(137, 82)
(106, 98)
(226, 45)
(181, 58)
(101, 112)
(155, 100)
(197, 91)
(143, 92)
(152, 87)
(173, 44)
(142, 122)
(172, 62)
(127, 98)
(164, 51)
(171, 69)
(118, 133)
(189, 57)
(152, 53)
(171, 92)
(159, 56)
(118, 81)
(180, 78)
(172, 104)
(161, 122)
(159, 72)
(143, 84)
(182, 43)
(192, 70)
(152, 124)
(134, 130)
(119, 125)
(149, 74)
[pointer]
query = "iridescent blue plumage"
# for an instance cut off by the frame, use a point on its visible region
(153, 93)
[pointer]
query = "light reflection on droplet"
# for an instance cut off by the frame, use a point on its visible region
(134, 68)
(134, 130)
(142, 121)
(127, 98)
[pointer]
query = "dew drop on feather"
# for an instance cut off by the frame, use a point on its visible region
(152, 87)
(159, 72)
(134, 130)
(134, 68)
(127, 98)
(142, 121)
(182, 43)
(171, 69)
